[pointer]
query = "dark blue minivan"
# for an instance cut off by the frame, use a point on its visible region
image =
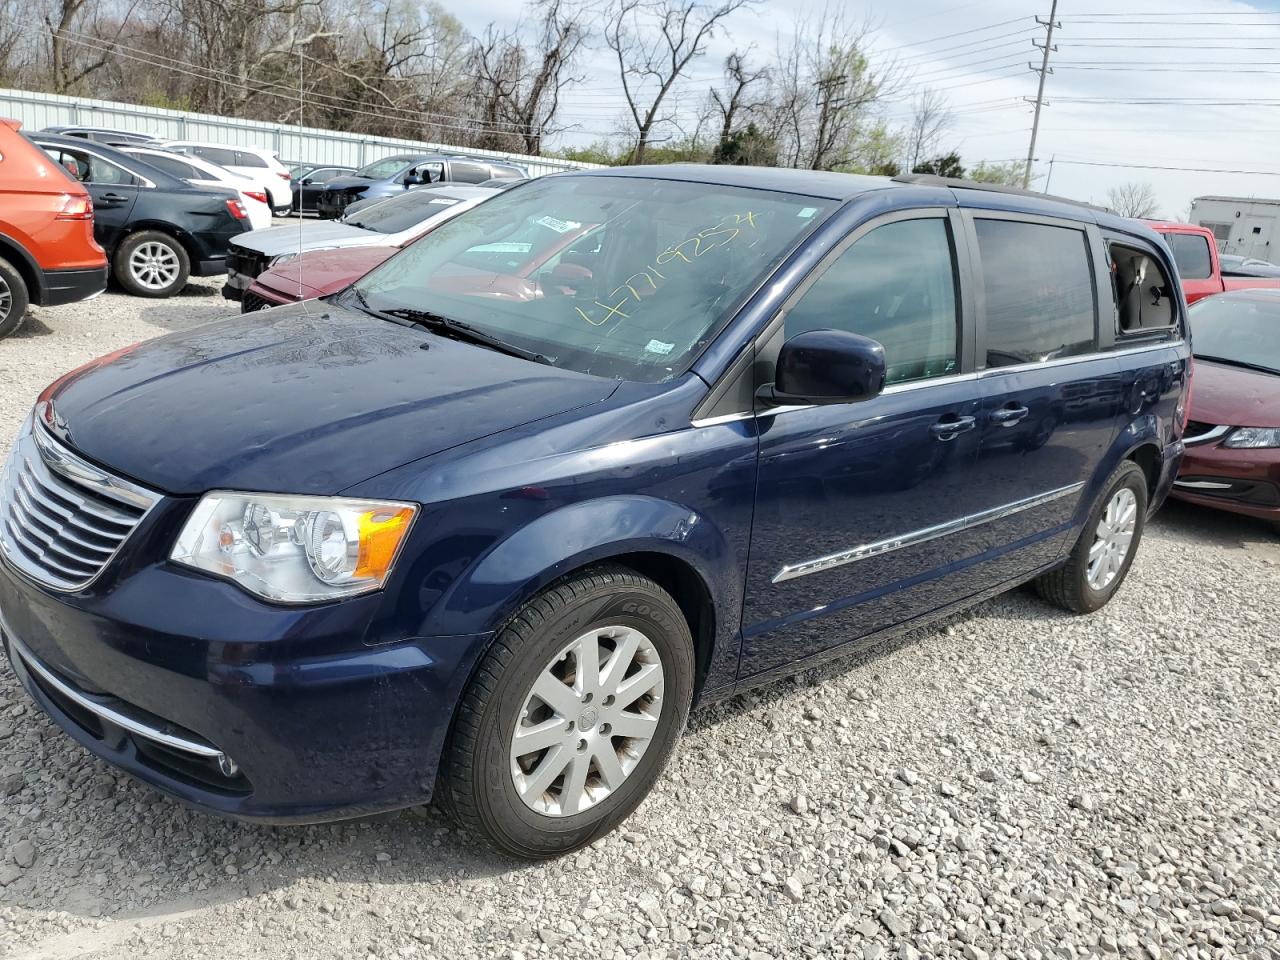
(486, 532)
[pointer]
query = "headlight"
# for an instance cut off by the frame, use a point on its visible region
(286, 257)
(1253, 437)
(295, 549)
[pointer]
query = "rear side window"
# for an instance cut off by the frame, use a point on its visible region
(175, 166)
(1144, 297)
(223, 158)
(1191, 254)
(897, 285)
(1039, 291)
(249, 160)
(468, 171)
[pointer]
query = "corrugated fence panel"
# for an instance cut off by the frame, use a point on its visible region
(292, 144)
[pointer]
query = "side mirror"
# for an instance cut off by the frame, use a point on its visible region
(307, 182)
(826, 366)
(412, 180)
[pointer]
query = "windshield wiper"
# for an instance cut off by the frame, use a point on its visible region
(1237, 363)
(461, 330)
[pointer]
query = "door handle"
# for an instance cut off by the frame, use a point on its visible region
(945, 430)
(114, 197)
(1008, 416)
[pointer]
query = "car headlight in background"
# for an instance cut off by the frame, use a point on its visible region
(286, 257)
(295, 549)
(1253, 437)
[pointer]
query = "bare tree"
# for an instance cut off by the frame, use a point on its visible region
(654, 42)
(1133, 199)
(518, 87)
(731, 101)
(81, 39)
(931, 117)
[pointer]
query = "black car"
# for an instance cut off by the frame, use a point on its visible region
(391, 176)
(102, 134)
(1247, 267)
(308, 183)
(156, 228)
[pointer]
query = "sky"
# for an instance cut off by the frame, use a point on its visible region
(1215, 64)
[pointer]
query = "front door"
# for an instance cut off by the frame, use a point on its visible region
(114, 191)
(860, 506)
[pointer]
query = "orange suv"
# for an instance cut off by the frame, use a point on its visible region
(47, 252)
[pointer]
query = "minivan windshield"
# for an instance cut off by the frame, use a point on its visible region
(623, 277)
(1241, 330)
(401, 213)
(381, 169)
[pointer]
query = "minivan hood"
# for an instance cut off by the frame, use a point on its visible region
(314, 235)
(305, 398)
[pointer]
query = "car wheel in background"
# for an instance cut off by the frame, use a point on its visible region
(571, 715)
(151, 264)
(13, 299)
(1101, 558)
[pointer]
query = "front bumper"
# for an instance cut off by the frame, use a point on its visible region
(1237, 480)
(283, 715)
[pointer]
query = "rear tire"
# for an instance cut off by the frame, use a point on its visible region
(14, 299)
(495, 764)
(150, 263)
(1101, 558)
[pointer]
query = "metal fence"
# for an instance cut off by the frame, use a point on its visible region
(291, 144)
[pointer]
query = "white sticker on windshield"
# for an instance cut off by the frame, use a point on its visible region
(559, 226)
(445, 200)
(657, 346)
(807, 212)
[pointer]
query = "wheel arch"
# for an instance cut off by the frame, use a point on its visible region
(169, 229)
(27, 268)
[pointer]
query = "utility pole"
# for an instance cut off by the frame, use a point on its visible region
(1044, 72)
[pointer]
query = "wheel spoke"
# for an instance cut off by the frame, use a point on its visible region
(610, 767)
(587, 665)
(532, 739)
(556, 695)
(545, 773)
(619, 662)
(638, 684)
(575, 784)
(635, 725)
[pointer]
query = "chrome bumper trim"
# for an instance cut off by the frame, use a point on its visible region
(110, 714)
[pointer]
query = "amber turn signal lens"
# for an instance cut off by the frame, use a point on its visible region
(381, 533)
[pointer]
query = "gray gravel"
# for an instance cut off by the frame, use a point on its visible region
(1015, 782)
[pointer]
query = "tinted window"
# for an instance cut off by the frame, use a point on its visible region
(88, 168)
(218, 155)
(895, 285)
(175, 166)
(468, 171)
(323, 175)
(382, 169)
(669, 263)
(1241, 329)
(1039, 291)
(249, 160)
(1191, 254)
(401, 213)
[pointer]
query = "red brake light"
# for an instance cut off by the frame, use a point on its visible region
(283, 175)
(252, 195)
(237, 210)
(76, 208)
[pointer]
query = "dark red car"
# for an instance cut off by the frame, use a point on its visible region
(536, 255)
(1233, 439)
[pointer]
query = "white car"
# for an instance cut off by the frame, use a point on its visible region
(389, 223)
(202, 173)
(252, 162)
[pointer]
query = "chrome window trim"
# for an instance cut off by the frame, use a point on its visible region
(917, 537)
(1207, 437)
(110, 714)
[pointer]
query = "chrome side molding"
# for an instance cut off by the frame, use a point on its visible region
(917, 537)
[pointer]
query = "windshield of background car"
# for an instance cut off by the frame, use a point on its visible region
(401, 213)
(614, 276)
(1243, 330)
(382, 169)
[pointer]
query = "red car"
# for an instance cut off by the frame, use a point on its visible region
(1232, 460)
(47, 252)
(516, 269)
(1196, 253)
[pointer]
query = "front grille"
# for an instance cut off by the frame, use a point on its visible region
(251, 302)
(62, 518)
(247, 263)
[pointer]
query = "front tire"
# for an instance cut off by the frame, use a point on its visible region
(1101, 558)
(14, 299)
(151, 264)
(571, 715)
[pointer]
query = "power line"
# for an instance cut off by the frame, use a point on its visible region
(1151, 166)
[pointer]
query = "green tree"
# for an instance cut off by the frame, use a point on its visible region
(749, 147)
(948, 165)
(1008, 174)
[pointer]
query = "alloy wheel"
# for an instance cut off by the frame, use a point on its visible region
(6, 300)
(154, 265)
(1112, 539)
(587, 721)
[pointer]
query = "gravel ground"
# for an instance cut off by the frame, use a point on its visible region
(1015, 782)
